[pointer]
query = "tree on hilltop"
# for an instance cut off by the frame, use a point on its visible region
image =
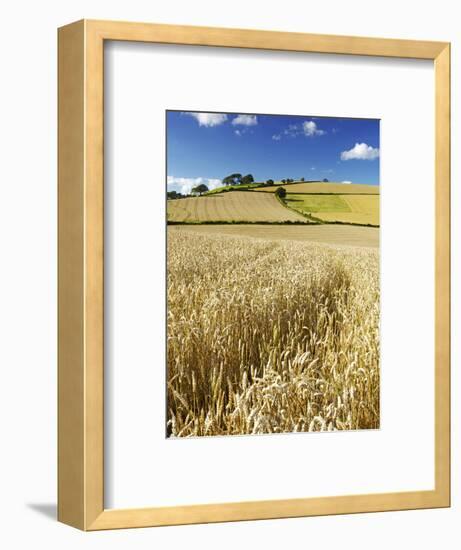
(246, 180)
(173, 195)
(233, 179)
(200, 189)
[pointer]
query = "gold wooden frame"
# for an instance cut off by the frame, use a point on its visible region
(81, 264)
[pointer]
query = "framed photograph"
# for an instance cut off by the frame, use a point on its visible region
(252, 325)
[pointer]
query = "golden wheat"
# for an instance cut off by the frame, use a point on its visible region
(238, 206)
(269, 336)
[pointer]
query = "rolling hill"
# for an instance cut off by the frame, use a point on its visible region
(328, 188)
(235, 206)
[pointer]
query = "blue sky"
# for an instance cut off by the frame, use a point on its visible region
(206, 147)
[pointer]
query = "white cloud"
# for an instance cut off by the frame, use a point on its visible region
(245, 120)
(208, 119)
(360, 151)
(276, 137)
(346, 182)
(293, 130)
(184, 185)
(241, 131)
(310, 129)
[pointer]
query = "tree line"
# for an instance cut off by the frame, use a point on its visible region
(233, 179)
(238, 179)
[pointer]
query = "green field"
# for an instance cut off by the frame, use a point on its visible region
(359, 209)
(317, 203)
(227, 188)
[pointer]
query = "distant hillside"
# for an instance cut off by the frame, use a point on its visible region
(256, 185)
(319, 187)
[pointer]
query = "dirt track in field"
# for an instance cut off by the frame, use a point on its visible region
(343, 235)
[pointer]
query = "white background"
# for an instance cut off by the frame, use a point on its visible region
(142, 467)
(28, 274)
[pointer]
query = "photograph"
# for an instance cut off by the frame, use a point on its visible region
(273, 279)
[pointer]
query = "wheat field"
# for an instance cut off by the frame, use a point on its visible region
(270, 336)
(240, 206)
